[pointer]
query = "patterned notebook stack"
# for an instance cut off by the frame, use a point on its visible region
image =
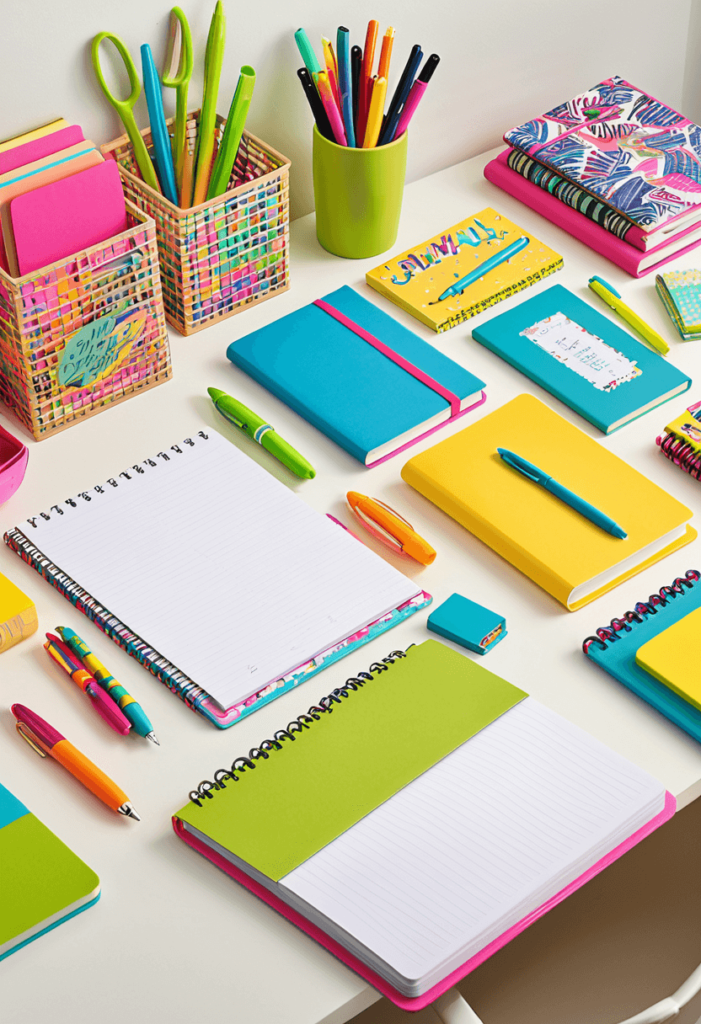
(614, 167)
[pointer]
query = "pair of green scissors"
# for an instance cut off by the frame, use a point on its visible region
(176, 75)
(125, 108)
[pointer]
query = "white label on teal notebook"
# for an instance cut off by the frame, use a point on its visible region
(585, 353)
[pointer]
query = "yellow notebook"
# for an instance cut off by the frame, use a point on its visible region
(418, 279)
(559, 549)
(671, 657)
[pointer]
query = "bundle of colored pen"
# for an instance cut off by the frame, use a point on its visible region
(183, 164)
(348, 101)
(108, 697)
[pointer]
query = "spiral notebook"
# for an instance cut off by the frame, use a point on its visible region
(615, 648)
(681, 443)
(222, 582)
(437, 837)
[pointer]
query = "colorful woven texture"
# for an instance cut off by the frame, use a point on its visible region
(226, 254)
(84, 333)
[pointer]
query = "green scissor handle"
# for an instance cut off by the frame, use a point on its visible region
(125, 108)
(178, 77)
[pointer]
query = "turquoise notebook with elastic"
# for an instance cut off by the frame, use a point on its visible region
(614, 648)
(586, 360)
(363, 379)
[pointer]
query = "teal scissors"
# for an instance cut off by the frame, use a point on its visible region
(125, 108)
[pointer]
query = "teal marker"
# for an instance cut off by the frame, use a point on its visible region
(258, 430)
(131, 710)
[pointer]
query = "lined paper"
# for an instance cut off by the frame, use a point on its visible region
(218, 566)
(465, 851)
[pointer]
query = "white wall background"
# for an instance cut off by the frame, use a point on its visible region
(502, 62)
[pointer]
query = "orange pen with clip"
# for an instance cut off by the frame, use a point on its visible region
(43, 738)
(388, 526)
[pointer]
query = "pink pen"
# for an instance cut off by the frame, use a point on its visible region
(104, 705)
(339, 132)
(414, 97)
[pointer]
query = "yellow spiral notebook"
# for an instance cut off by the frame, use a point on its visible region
(556, 547)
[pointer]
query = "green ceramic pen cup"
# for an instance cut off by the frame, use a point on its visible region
(358, 196)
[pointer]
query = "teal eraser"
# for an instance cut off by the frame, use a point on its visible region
(467, 623)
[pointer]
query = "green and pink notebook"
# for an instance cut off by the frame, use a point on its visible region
(421, 816)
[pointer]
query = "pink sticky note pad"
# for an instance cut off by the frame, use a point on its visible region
(67, 216)
(28, 152)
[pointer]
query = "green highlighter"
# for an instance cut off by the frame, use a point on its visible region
(261, 432)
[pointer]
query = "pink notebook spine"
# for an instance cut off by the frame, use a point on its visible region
(625, 256)
(418, 1003)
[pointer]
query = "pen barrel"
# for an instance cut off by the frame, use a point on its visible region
(286, 454)
(108, 710)
(594, 515)
(83, 769)
(129, 707)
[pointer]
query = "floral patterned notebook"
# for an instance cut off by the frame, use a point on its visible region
(640, 156)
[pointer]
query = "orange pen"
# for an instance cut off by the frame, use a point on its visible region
(388, 526)
(385, 53)
(366, 78)
(43, 738)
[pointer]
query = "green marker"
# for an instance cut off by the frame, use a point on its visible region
(261, 432)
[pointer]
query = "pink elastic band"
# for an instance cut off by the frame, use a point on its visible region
(435, 385)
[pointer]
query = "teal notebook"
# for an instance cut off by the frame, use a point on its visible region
(372, 402)
(577, 354)
(42, 882)
(614, 648)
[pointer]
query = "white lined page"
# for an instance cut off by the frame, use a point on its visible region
(219, 567)
(465, 851)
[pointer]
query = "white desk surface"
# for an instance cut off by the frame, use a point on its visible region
(173, 938)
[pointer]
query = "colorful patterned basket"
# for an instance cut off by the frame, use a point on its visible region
(85, 332)
(224, 255)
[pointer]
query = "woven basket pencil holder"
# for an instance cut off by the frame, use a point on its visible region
(84, 333)
(226, 254)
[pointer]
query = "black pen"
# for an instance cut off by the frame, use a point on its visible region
(320, 115)
(400, 95)
(356, 61)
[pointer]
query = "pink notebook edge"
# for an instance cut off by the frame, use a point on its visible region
(625, 256)
(37, 149)
(420, 1002)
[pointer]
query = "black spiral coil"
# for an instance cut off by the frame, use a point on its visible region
(207, 788)
(609, 634)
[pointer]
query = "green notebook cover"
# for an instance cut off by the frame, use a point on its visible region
(375, 742)
(42, 882)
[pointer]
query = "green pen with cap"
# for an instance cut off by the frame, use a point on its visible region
(258, 430)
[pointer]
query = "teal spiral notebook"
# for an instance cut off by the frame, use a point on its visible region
(358, 375)
(582, 358)
(614, 648)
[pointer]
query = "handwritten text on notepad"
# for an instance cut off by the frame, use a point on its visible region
(585, 353)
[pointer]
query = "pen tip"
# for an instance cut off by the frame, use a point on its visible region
(152, 736)
(129, 811)
(214, 393)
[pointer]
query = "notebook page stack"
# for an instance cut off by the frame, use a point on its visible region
(416, 883)
(220, 568)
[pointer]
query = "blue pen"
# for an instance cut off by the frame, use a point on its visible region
(540, 477)
(484, 268)
(400, 94)
(345, 86)
(159, 131)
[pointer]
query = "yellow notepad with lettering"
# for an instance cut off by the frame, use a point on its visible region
(464, 269)
(671, 657)
(558, 548)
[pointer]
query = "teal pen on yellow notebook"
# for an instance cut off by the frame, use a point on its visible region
(258, 430)
(132, 710)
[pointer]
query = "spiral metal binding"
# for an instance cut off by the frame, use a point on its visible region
(681, 453)
(207, 788)
(609, 634)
